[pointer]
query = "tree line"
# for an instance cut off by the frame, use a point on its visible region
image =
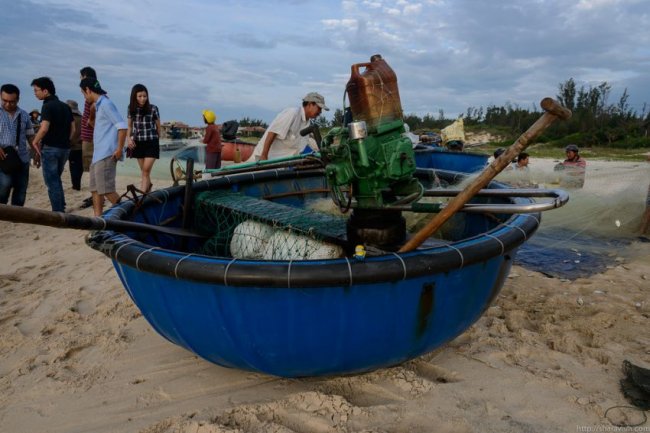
(595, 121)
(247, 121)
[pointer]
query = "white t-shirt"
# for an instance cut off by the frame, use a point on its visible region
(288, 142)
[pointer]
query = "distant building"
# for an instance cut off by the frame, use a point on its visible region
(197, 131)
(175, 129)
(179, 130)
(251, 131)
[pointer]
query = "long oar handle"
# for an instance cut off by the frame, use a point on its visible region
(41, 217)
(553, 111)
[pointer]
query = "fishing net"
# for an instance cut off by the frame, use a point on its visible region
(246, 227)
(597, 228)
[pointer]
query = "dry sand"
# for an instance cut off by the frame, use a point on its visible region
(77, 356)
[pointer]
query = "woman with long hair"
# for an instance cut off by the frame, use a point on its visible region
(143, 133)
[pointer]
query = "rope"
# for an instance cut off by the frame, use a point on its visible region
(503, 248)
(289, 274)
(225, 274)
(349, 270)
(645, 417)
(179, 262)
(137, 260)
(128, 242)
(520, 229)
(462, 258)
(403, 264)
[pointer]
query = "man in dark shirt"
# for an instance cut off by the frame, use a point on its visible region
(52, 141)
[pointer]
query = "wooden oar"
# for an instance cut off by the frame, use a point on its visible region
(24, 215)
(553, 112)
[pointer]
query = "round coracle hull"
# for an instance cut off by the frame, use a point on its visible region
(309, 317)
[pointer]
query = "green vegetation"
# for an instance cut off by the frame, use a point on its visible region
(246, 121)
(597, 124)
(600, 129)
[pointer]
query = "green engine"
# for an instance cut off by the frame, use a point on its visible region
(370, 163)
(375, 169)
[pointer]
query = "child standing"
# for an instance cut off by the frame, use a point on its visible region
(213, 140)
(143, 133)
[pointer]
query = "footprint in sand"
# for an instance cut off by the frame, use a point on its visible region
(332, 405)
(310, 411)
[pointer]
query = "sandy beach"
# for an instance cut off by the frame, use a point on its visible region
(77, 356)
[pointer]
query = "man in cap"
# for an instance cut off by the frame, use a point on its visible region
(109, 137)
(574, 168)
(573, 158)
(282, 138)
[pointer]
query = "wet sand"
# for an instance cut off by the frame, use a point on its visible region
(77, 356)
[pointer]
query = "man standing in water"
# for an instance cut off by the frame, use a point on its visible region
(108, 137)
(574, 168)
(282, 138)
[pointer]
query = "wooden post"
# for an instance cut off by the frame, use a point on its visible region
(553, 111)
(189, 194)
(25, 215)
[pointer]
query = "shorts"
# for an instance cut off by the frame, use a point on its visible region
(87, 148)
(145, 149)
(102, 176)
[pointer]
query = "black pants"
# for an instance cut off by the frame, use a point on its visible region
(76, 168)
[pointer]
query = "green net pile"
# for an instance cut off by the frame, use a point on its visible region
(251, 228)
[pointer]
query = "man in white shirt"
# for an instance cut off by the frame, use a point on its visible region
(282, 138)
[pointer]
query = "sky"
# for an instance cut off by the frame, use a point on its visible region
(253, 58)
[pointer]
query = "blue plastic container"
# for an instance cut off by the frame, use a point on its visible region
(440, 158)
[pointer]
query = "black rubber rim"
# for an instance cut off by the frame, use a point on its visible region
(305, 274)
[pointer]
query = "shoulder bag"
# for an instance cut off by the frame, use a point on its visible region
(12, 162)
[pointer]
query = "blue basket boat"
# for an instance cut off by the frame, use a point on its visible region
(311, 318)
(443, 159)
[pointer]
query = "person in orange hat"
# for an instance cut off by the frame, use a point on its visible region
(212, 139)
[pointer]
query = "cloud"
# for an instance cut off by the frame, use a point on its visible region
(253, 58)
(248, 40)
